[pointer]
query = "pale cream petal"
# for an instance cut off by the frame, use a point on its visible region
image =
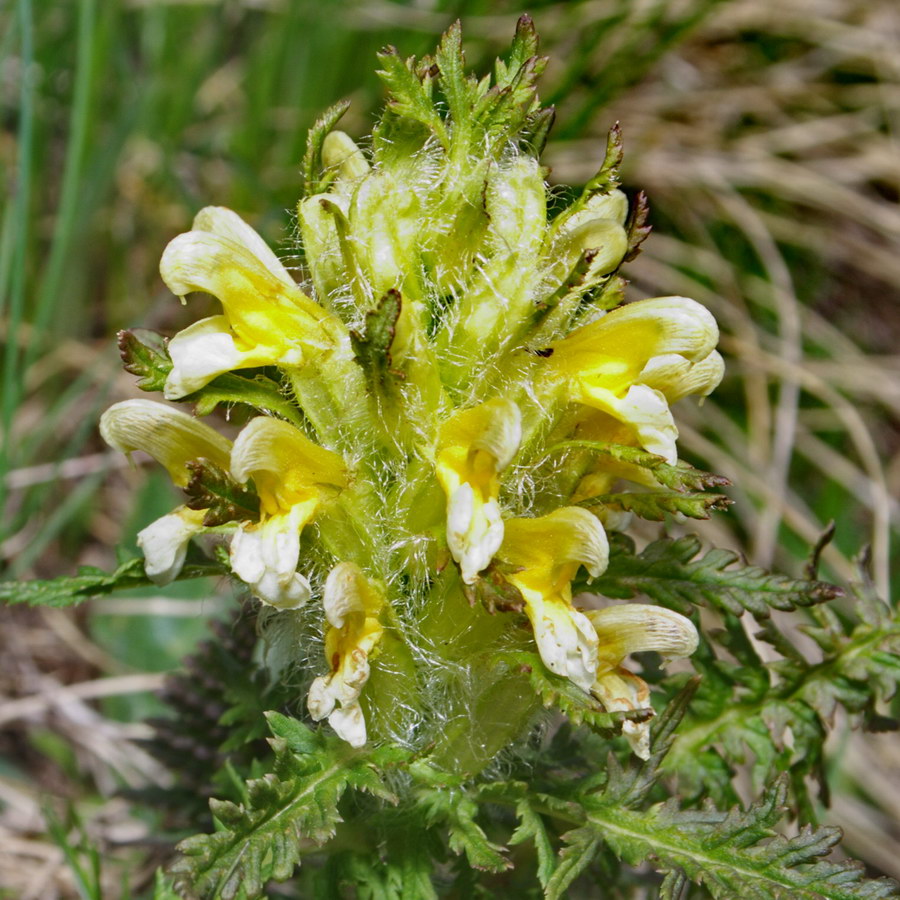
(635, 627)
(228, 224)
(643, 409)
(677, 377)
(349, 724)
(352, 603)
(165, 543)
(473, 537)
(347, 591)
(201, 352)
(565, 639)
(265, 556)
(622, 691)
(172, 437)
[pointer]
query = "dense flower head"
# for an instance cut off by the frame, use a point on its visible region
(407, 396)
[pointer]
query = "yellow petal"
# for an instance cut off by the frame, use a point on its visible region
(268, 316)
(547, 552)
(555, 545)
(170, 436)
(474, 446)
(285, 465)
(630, 361)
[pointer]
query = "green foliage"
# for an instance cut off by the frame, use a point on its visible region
(315, 138)
(678, 477)
(70, 590)
(732, 854)
(751, 705)
(263, 838)
(485, 117)
(260, 393)
(669, 572)
(657, 504)
(144, 354)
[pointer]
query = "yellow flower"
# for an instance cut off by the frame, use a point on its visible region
(474, 446)
(547, 552)
(632, 362)
(352, 606)
(292, 476)
(267, 319)
(633, 628)
(173, 439)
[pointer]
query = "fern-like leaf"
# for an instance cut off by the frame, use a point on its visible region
(294, 805)
(668, 572)
(70, 590)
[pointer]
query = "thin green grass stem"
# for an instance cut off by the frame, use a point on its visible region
(65, 231)
(12, 308)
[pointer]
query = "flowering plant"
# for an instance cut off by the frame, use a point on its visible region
(447, 426)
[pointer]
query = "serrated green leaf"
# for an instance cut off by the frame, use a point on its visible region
(582, 845)
(555, 690)
(732, 854)
(312, 158)
(456, 810)
(668, 572)
(656, 505)
(409, 94)
(678, 477)
(532, 826)
(144, 354)
(296, 802)
(70, 590)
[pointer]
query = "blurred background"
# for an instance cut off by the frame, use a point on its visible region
(766, 136)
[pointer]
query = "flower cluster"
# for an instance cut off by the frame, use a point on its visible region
(446, 334)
